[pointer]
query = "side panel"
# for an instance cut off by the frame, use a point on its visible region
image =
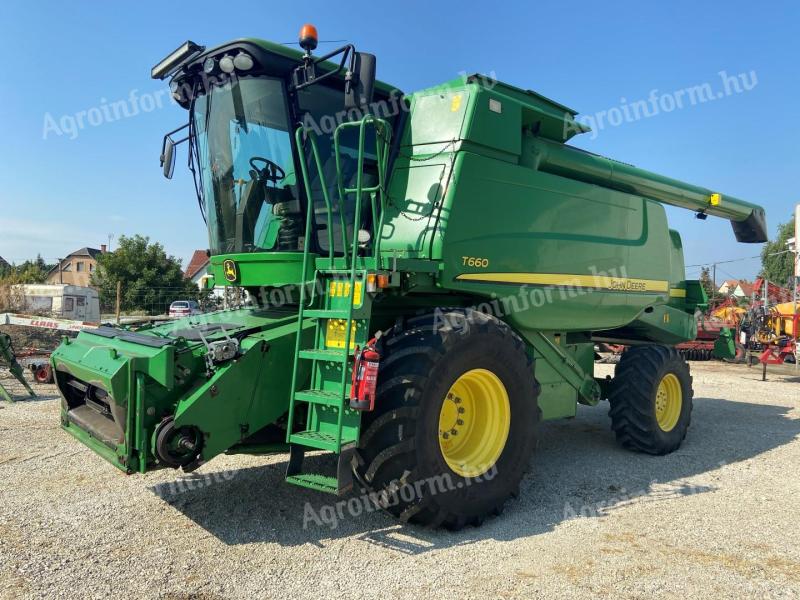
(557, 254)
(558, 399)
(415, 193)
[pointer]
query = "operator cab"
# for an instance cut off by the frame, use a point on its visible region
(246, 100)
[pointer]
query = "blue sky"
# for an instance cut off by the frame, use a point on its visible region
(58, 193)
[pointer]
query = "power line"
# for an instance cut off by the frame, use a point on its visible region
(722, 262)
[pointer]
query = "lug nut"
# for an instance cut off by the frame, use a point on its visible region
(461, 410)
(454, 431)
(459, 422)
(445, 435)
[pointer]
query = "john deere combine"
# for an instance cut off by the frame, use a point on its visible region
(428, 274)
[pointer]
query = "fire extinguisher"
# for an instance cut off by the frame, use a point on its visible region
(365, 377)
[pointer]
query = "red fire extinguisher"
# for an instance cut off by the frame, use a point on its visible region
(365, 377)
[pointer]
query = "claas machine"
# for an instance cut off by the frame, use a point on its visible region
(427, 276)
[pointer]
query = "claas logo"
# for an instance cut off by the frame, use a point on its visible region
(230, 270)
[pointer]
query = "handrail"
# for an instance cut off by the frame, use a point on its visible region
(381, 126)
(359, 191)
(309, 133)
(376, 194)
(298, 136)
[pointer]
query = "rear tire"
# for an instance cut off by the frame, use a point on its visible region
(651, 399)
(419, 471)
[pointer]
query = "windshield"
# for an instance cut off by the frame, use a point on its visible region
(246, 169)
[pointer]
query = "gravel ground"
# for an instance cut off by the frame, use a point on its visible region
(718, 518)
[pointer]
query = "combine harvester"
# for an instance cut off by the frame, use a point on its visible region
(433, 271)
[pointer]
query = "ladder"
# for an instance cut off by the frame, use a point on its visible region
(338, 310)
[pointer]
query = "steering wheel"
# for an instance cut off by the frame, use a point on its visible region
(270, 171)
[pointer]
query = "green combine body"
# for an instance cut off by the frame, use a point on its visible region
(453, 231)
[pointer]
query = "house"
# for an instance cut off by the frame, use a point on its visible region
(4, 264)
(736, 287)
(728, 286)
(197, 269)
(745, 289)
(77, 267)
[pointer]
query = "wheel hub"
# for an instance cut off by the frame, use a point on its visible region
(669, 402)
(474, 422)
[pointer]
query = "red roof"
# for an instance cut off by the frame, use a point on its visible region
(747, 288)
(197, 264)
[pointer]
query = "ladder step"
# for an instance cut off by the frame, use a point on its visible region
(316, 439)
(315, 481)
(334, 355)
(324, 397)
(327, 314)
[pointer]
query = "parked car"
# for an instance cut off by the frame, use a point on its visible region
(184, 308)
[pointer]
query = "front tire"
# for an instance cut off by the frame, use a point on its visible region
(455, 418)
(651, 399)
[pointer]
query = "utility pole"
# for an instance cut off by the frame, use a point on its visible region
(795, 285)
(795, 316)
(119, 300)
(713, 283)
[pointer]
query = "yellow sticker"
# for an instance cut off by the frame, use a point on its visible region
(335, 334)
(716, 199)
(341, 289)
(455, 103)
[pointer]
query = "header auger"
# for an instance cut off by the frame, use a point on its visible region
(449, 242)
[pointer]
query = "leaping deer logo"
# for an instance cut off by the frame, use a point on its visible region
(230, 270)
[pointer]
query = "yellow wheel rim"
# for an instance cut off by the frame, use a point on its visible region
(669, 402)
(474, 423)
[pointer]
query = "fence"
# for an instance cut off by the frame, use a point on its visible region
(155, 301)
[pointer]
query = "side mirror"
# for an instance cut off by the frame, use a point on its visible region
(361, 87)
(168, 151)
(168, 156)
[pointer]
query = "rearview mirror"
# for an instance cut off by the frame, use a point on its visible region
(362, 84)
(168, 157)
(168, 151)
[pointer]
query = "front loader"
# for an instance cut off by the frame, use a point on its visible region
(428, 274)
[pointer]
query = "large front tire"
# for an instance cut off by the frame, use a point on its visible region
(455, 418)
(651, 399)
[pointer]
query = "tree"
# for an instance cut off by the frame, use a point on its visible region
(151, 280)
(705, 280)
(778, 268)
(33, 271)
